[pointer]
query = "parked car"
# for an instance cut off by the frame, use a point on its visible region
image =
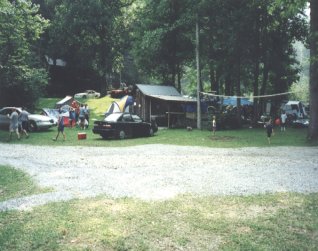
(54, 113)
(87, 94)
(119, 93)
(36, 121)
(295, 109)
(124, 125)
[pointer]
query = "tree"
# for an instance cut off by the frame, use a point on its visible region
(313, 125)
(90, 36)
(161, 44)
(22, 79)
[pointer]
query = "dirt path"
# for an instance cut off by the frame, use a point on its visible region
(154, 172)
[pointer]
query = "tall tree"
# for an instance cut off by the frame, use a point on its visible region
(89, 35)
(161, 41)
(22, 79)
(313, 125)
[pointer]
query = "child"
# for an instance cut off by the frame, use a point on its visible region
(60, 128)
(213, 125)
(269, 130)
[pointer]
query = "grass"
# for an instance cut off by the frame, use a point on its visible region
(265, 222)
(281, 221)
(15, 183)
(227, 138)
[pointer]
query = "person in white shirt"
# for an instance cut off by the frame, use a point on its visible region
(283, 118)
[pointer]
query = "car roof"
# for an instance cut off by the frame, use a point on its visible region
(11, 107)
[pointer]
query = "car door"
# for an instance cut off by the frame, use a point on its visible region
(140, 128)
(128, 125)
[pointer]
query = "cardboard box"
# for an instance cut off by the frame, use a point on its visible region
(81, 135)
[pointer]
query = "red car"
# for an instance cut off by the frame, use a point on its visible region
(119, 93)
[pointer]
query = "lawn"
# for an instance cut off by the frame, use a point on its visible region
(227, 138)
(280, 221)
(255, 137)
(15, 183)
(265, 222)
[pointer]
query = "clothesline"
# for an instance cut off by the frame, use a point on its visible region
(251, 97)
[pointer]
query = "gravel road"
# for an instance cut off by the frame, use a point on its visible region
(154, 172)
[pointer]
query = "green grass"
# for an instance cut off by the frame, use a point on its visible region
(266, 222)
(15, 183)
(227, 138)
(281, 221)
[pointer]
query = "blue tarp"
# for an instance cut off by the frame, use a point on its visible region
(233, 101)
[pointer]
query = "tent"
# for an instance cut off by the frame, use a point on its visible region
(65, 101)
(120, 106)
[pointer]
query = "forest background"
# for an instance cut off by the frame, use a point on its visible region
(247, 47)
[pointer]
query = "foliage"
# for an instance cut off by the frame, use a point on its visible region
(300, 91)
(246, 46)
(22, 79)
(313, 82)
(88, 35)
(161, 44)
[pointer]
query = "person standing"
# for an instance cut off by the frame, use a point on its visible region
(24, 119)
(14, 124)
(86, 111)
(213, 125)
(72, 120)
(60, 128)
(283, 118)
(82, 117)
(269, 130)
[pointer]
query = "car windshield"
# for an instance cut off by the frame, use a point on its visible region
(113, 117)
(54, 112)
(136, 118)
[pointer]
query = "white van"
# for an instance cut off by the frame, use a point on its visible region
(295, 108)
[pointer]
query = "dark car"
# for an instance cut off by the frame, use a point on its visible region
(124, 125)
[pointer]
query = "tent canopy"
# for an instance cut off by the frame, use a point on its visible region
(120, 106)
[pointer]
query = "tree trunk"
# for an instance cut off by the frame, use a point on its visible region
(199, 84)
(212, 77)
(264, 84)
(179, 78)
(228, 83)
(238, 91)
(257, 49)
(313, 88)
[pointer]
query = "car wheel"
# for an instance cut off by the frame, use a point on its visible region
(150, 132)
(104, 136)
(32, 126)
(122, 135)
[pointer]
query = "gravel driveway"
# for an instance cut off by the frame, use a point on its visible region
(153, 172)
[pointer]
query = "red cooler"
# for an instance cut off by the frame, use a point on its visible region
(81, 135)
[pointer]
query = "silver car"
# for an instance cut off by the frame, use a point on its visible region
(87, 94)
(36, 121)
